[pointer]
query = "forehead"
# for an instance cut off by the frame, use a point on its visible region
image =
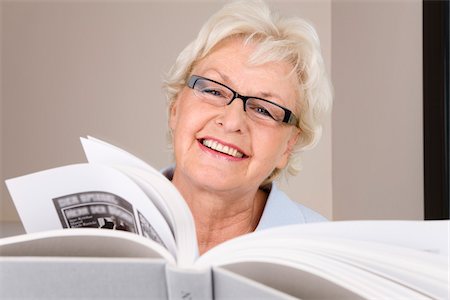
(229, 63)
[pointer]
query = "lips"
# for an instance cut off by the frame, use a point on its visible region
(226, 149)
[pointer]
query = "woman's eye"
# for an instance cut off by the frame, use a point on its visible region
(213, 92)
(261, 111)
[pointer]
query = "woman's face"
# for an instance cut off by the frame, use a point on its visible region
(254, 150)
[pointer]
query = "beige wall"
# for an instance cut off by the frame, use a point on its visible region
(313, 186)
(72, 69)
(2, 200)
(377, 117)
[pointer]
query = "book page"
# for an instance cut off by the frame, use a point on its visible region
(100, 152)
(87, 195)
(429, 236)
(86, 242)
(379, 273)
(356, 255)
(157, 188)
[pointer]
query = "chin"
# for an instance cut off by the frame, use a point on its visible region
(217, 181)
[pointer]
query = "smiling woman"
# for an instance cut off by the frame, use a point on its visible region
(229, 148)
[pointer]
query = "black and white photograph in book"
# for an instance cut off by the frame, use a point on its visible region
(243, 149)
(95, 210)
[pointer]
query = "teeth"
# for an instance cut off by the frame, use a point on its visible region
(222, 148)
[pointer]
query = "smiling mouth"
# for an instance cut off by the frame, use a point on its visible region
(216, 146)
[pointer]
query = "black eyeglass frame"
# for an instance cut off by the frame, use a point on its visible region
(289, 117)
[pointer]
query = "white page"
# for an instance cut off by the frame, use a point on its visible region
(184, 229)
(429, 236)
(321, 279)
(98, 151)
(157, 187)
(406, 260)
(383, 270)
(98, 243)
(424, 272)
(34, 196)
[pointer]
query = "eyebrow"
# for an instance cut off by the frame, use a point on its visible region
(227, 79)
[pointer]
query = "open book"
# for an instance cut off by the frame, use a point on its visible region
(67, 212)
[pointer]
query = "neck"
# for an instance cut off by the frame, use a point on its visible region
(220, 216)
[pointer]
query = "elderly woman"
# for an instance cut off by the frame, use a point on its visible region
(244, 97)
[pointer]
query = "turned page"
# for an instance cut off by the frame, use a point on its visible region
(157, 188)
(87, 195)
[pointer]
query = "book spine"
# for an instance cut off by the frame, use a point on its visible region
(187, 284)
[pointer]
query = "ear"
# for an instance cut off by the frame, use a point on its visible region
(173, 115)
(292, 141)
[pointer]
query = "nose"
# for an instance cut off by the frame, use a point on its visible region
(233, 117)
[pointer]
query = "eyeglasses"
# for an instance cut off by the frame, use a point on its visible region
(258, 109)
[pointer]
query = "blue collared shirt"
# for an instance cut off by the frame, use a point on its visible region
(280, 210)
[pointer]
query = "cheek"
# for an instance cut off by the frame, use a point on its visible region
(179, 110)
(269, 146)
(187, 120)
(179, 114)
(193, 115)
